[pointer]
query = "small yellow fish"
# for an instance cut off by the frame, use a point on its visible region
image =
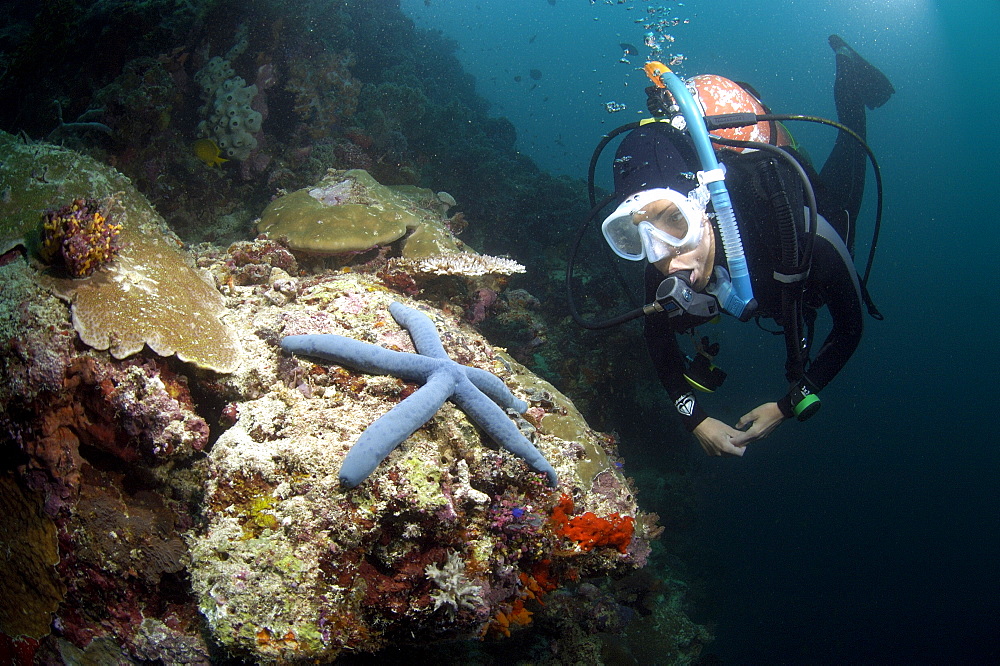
(208, 152)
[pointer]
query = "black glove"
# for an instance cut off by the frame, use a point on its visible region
(654, 102)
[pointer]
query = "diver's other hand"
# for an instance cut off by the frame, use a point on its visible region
(762, 421)
(654, 102)
(717, 438)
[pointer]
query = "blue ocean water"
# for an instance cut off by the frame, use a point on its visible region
(870, 534)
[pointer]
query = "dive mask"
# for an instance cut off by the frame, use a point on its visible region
(656, 223)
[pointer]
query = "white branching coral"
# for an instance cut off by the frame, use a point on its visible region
(465, 264)
(455, 591)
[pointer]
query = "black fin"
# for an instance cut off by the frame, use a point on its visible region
(874, 86)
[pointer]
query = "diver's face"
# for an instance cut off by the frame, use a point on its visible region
(700, 261)
(665, 216)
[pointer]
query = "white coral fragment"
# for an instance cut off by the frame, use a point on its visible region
(465, 264)
(455, 591)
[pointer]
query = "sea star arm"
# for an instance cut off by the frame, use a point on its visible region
(488, 416)
(480, 394)
(425, 336)
(362, 356)
(494, 387)
(427, 341)
(389, 430)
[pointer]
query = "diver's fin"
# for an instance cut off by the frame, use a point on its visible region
(874, 85)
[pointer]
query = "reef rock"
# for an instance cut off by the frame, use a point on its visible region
(448, 534)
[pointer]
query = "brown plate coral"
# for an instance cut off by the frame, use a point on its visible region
(149, 294)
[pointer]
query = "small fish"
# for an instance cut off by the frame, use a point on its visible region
(517, 79)
(531, 40)
(536, 74)
(208, 151)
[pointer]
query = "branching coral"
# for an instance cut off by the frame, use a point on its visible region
(455, 591)
(466, 264)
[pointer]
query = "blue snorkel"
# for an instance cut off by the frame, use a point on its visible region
(732, 288)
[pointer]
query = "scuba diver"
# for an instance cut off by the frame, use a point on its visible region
(743, 225)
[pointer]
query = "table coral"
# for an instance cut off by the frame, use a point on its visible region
(476, 391)
(466, 264)
(152, 296)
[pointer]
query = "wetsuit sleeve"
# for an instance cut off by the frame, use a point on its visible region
(665, 354)
(834, 278)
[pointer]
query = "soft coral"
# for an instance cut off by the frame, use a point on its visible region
(590, 530)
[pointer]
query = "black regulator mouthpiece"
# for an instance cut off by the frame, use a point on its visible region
(685, 307)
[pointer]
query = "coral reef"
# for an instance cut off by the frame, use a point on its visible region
(149, 295)
(449, 538)
(479, 394)
(289, 565)
(198, 516)
(105, 447)
(32, 591)
(79, 236)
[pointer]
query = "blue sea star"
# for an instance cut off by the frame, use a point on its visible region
(478, 393)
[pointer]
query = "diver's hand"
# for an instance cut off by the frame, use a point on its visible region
(654, 102)
(717, 438)
(762, 421)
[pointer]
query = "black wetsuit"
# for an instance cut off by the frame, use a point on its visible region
(656, 155)
(832, 282)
